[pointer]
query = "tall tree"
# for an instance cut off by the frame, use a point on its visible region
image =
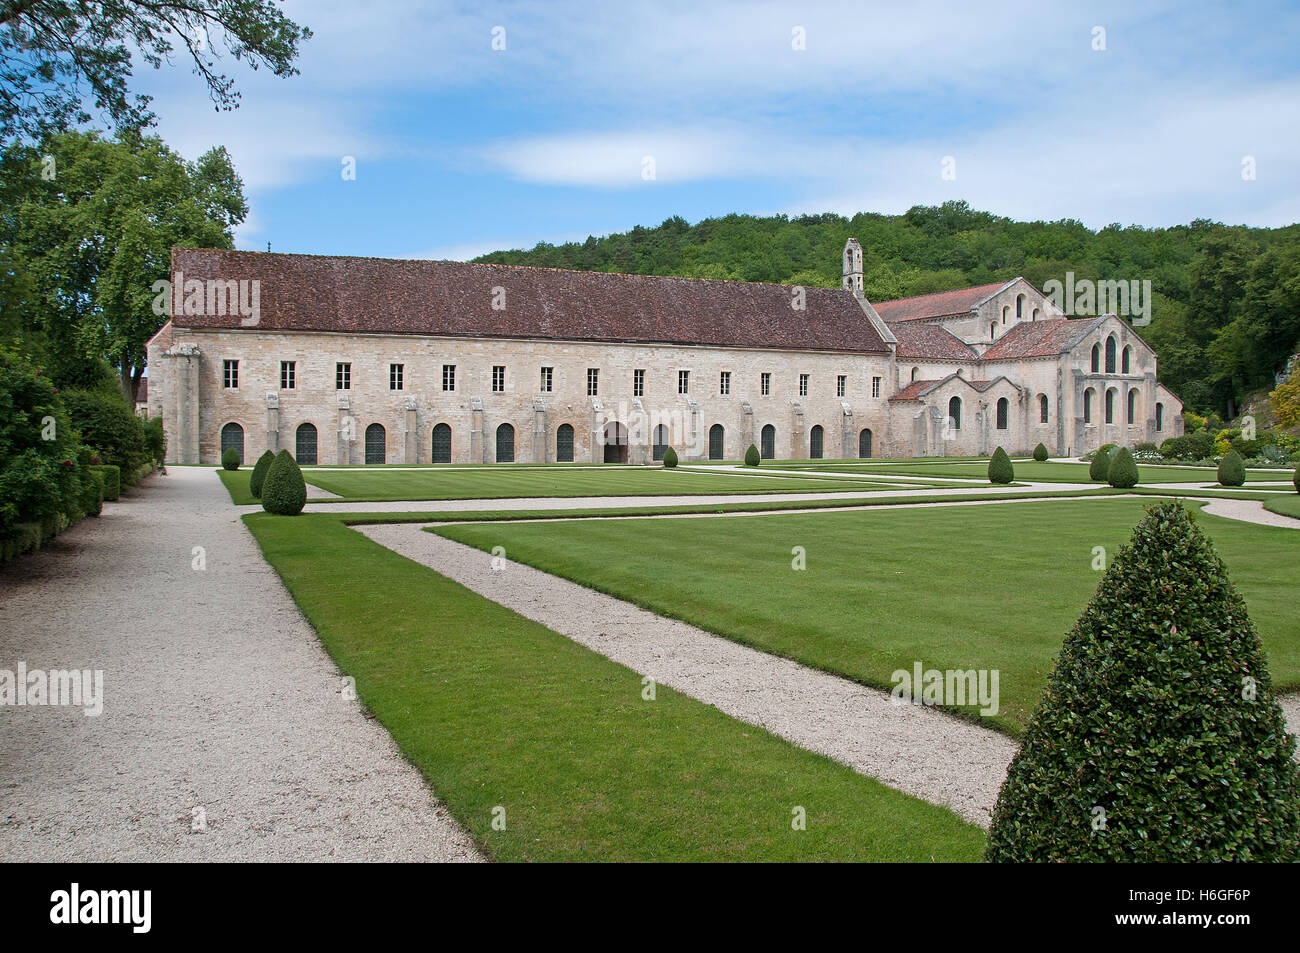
(97, 234)
(56, 54)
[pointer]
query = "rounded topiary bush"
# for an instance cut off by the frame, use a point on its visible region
(284, 491)
(258, 476)
(1232, 472)
(230, 458)
(1040, 453)
(1000, 468)
(670, 458)
(1158, 738)
(752, 458)
(1123, 472)
(1099, 468)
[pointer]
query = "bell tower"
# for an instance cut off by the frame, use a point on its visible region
(852, 274)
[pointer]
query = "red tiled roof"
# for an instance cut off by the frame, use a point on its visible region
(936, 305)
(454, 299)
(931, 341)
(914, 390)
(1040, 338)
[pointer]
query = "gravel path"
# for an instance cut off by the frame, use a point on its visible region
(217, 695)
(1249, 511)
(917, 750)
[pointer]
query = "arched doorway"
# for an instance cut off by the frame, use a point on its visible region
(815, 439)
(564, 444)
(767, 442)
(441, 444)
(615, 442)
(304, 450)
(505, 444)
(717, 440)
(232, 438)
(864, 444)
(660, 442)
(376, 444)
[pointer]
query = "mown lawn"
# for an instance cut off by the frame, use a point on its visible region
(1288, 505)
(1026, 470)
(982, 587)
(498, 711)
(464, 484)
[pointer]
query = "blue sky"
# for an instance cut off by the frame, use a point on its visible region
(461, 149)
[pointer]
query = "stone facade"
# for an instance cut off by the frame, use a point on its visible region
(866, 391)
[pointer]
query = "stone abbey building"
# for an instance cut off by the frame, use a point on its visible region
(363, 360)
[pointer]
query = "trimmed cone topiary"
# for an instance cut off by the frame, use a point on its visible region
(752, 458)
(1040, 453)
(1099, 468)
(1000, 468)
(230, 458)
(1232, 472)
(258, 476)
(1158, 738)
(284, 491)
(670, 458)
(1123, 472)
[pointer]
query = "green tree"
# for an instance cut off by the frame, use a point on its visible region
(57, 55)
(96, 237)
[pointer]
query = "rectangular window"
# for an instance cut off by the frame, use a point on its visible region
(765, 384)
(593, 382)
(449, 377)
(342, 376)
(395, 376)
(546, 379)
(803, 385)
(875, 387)
(841, 386)
(288, 379)
(229, 373)
(724, 383)
(683, 382)
(638, 383)
(498, 378)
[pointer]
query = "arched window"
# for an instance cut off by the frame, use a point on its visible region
(864, 444)
(1160, 416)
(1004, 411)
(564, 444)
(1096, 358)
(954, 414)
(505, 444)
(1110, 354)
(767, 442)
(716, 441)
(993, 330)
(376, 444)
(232, 437)
(1034, 315)
(1005, 309)
(1110, 405)
(1020, 307)
(442, 443)
(304, 445)
(815, 438)
(1126, 361)
(916, 372)
(1087, 406)
(1132, 405)
(660, 441)
(1042, 408)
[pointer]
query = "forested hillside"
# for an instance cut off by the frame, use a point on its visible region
(1226, 299)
